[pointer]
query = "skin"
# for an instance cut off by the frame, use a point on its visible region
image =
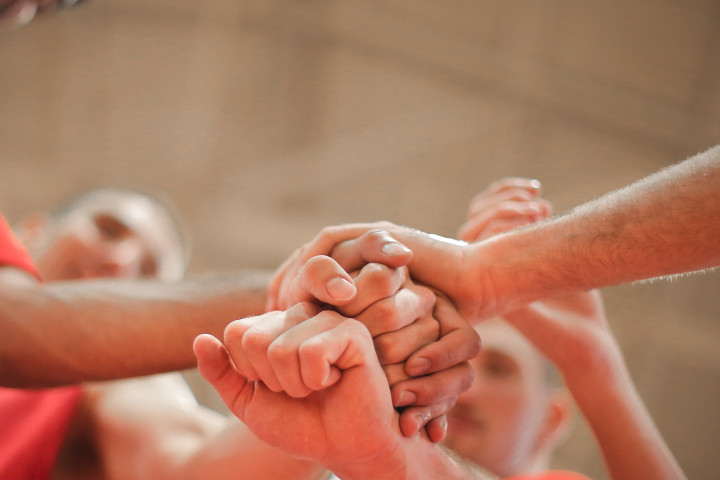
(332, 358)
(152, 427)
(510, 419)
(661, 225)
(573, 333)
(512, 427)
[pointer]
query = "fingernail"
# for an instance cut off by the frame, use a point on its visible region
(417, 366)
(392, 249)
(406, 398)
(340, 289)
(421, 419)
(535, 184)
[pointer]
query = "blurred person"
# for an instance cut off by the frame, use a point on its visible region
(105, 234)
(46, 325)
(517, 411)
(514, 415)
(148, 426)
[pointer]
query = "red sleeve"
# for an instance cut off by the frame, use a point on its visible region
(554, 475)
(12, 252)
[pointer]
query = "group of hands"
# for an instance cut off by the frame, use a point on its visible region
(346, 321)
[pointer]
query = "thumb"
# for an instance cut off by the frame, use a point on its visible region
(215, 366)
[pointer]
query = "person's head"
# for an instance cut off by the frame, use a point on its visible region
(106, 233)
(515, 412)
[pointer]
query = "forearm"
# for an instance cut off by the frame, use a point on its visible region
(68, 332)
(153, 428)
(662, 225)
(416, 458)
(236, 454)
(631, 445)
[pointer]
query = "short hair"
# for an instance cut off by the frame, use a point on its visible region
(164, 207)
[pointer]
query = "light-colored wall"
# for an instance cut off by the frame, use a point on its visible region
(265, 121)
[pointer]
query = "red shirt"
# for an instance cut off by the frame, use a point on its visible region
(33, 423)
(12, 252)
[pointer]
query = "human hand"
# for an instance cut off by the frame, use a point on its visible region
(505, 204)
(424, 348)
(437, 262)
(425, 384)
(308, 274)
(307, 382)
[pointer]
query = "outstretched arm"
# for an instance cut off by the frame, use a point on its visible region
(67, 332)
(662, 225)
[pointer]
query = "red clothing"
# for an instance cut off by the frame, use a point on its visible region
(553, 475)
(33, 423)
(12, 252)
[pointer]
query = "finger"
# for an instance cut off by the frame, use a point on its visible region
(254, 338)
(532, 187)
(216, 368)
(434, 388)
(322, 280)
(412, 419)
(395, 373)
(398, 311)
(374, 282)
(397, 346)
(322, 244)
(436, 428)
(284, 354)
(374, 246)
(325, 356)
(514, 195)
(510, 213)
(458, 342)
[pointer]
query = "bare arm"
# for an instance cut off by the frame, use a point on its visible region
(67, 332)
(662, 225)
(152, 428)
(573, 333)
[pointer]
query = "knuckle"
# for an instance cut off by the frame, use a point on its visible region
(386, 316)
(386, 348)
(311, 352)
(255, 340)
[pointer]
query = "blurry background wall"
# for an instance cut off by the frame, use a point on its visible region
(263, 121)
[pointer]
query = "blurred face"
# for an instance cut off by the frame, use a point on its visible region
(110, 235)
(498, 421)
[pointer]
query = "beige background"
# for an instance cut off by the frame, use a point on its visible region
(265, 120)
